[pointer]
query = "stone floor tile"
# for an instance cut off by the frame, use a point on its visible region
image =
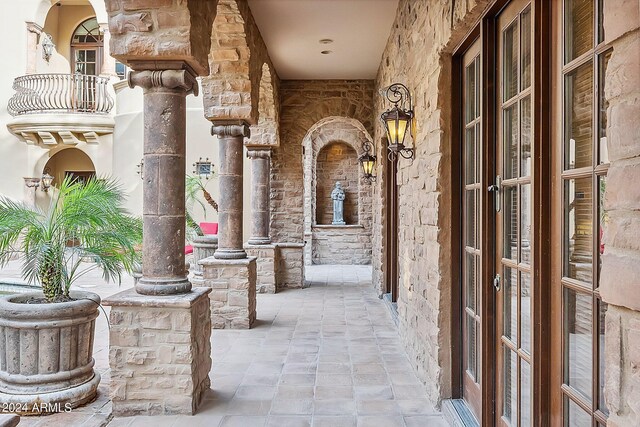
(292, 406)
(255, 392)
(379, 421)
(334, 379)
(408, 391)
(334, 407)
(294, 392)
(248, 407)
(370, 379)
(377, 407)
(334, 368)
(288, 421)
(425, 421)
(334, 421)
(298, 379)
(333, 392)
(148, 421)
(373, 392)
(115, 422)
(243, 421)
(416, 406)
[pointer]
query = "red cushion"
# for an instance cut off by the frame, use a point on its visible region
(188, 249)
(209, 227)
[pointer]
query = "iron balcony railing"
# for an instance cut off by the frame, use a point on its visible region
(60, 93)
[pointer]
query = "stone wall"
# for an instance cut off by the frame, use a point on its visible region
(340, 245)
(303, 104)
(424, 301)
(619, 277)
(290, 266)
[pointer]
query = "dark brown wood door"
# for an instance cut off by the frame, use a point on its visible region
(391, 228)
(514, 225)
(471, 289)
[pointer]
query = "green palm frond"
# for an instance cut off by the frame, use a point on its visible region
(91, 216)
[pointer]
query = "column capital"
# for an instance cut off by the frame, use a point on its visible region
(254, 152)
(169, 79)
(229, 129)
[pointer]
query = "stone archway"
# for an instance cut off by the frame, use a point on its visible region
(355, 239)
(266, 131)
(69, 162)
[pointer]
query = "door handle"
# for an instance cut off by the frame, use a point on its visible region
(497, 190)
(496, 282)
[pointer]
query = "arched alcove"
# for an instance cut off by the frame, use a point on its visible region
(331, 146)
(336, 162)
(69, 162)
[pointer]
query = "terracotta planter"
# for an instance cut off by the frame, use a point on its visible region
(46, 353)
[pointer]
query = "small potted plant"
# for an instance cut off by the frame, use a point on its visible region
(46, 337)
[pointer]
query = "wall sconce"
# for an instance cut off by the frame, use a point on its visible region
(139, 166)
(32, 182)
(47, 180)
(367, 161)
(397, 120)
(47, 46)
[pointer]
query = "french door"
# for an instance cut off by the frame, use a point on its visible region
(514, 225)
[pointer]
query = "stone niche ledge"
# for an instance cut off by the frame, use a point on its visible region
(159, 352)
(330, 226)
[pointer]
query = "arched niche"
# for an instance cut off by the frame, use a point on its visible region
(336, 162)
(328, 243)
(69, 162)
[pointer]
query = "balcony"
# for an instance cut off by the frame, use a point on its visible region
(51, 109)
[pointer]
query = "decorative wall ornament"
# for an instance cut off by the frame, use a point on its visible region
(140, 166)
(203, 168)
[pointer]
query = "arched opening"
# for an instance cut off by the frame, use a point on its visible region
(336, 162)
(86, 48)
(70, 162)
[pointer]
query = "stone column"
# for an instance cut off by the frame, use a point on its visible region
(260, 187)
(108, 62)
(33, 32)
(163, 267)
(230, 139)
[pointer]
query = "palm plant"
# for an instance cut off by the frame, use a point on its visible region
(84, 220)
(194, 186)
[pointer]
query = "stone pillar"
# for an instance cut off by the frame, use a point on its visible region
(260, 187)
(203, 247)
(33, 33)
(163, 266)
(230, 139)
(108, 62)
(159, 352)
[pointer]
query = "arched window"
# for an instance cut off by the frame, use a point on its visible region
(86, 48)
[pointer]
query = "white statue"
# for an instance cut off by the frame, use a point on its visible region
(337, 195)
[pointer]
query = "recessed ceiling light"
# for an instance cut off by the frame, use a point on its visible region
(326, 52)
(326, 41)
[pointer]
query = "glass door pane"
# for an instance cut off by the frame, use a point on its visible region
(515, 225)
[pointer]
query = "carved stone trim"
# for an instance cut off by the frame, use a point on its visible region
(168, 79)
(258, 153)
(68, 138)
(230, 130)
(34, 28)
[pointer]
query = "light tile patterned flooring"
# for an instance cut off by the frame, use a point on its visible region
(325, 356)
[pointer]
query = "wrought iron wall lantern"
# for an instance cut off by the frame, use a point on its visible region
(140, 167)
(44, 182)
(367, 161)
(398, 120)
(47, 46)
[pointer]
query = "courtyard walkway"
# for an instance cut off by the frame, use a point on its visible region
(328, 355)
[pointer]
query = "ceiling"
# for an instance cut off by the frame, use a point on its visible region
(292, 30)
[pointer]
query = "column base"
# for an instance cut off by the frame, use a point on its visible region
(171, 286)
(259, 241)
(233, 295)
(230, 254)
(266, 264)
(290, 269)
(203, 247)
(159, 352)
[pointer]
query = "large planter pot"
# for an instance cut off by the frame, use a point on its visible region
(46, 353)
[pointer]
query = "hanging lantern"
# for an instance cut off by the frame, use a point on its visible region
(367, 161)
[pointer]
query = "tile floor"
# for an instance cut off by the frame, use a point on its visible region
(325, 356)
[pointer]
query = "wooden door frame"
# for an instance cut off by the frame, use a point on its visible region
(542, 166)
(391, 223)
